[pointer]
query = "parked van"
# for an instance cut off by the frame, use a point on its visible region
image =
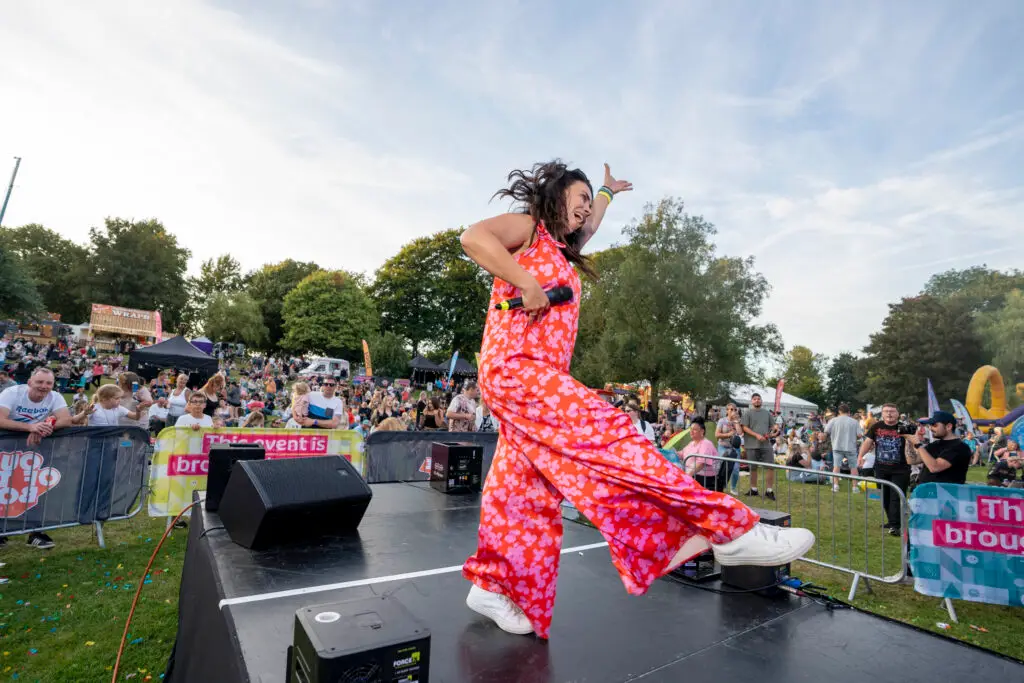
(335, 367)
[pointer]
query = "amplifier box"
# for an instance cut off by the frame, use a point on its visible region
(456, 467)
(374, 640)
(761, 580)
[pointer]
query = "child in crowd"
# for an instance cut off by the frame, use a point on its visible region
(300, 404)
(106, 410)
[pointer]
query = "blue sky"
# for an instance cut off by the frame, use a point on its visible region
(853, 148)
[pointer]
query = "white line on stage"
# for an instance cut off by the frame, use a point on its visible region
(367, 582)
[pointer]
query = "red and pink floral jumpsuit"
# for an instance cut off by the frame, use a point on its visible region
(558, 439)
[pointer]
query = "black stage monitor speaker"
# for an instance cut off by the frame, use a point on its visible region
(275, 502)
(223, 456)
(456, 467)
(374, 640)
(761, 580)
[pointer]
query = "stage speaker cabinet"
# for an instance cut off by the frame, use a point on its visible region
(223, 457)
(277, 502)
(456, 467)
(373, 640)
(761, 580)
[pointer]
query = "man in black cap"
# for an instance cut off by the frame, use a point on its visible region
(945, 459)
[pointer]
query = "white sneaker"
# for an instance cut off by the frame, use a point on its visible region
(499, 609)
(835, 488)
(764, 546)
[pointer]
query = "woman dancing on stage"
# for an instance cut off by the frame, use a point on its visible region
(558, 439)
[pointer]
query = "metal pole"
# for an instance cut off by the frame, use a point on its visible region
(10, 188)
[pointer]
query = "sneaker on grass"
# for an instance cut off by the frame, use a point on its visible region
(499, 609)
(764, 546)
(38, 539)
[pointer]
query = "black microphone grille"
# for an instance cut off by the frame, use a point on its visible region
(559, 295)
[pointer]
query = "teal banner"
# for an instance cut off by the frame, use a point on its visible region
(967, 542)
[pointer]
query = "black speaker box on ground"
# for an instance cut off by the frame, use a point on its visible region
(375, 640)
(275, 502)
(223, 457)
(456, 467)
(761, 579)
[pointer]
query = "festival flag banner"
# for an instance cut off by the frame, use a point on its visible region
(182, 457)
(778, 394)
(366, 359)
(967, 542)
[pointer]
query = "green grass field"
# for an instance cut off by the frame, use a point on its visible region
(63, 610)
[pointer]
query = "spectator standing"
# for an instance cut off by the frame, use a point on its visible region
(844, 431)
(29, 408)
(462, 411)
(947, 458)
(758, 425)
(705, 470)
(326, 410)
(642, 425)
(887, 438)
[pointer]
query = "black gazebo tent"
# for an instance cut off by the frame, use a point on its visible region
(422, 368)
(175, 353)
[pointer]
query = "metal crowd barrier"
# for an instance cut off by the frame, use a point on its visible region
(76, 476)
(847, 524)
(405, 456)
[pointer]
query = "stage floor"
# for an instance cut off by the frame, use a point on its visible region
(412, 542)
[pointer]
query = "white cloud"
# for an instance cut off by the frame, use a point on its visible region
(854, 149)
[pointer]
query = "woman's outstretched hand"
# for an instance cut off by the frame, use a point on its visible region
(616, 186)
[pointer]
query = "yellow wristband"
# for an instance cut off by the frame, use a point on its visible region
(606, 194)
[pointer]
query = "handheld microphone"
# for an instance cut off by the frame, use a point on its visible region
(558, 295)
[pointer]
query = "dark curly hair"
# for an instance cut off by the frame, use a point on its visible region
(541, 195)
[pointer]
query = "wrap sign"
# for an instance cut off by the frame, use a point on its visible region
(182, 457)
(967, 542)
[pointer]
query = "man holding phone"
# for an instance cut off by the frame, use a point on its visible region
(888, 439)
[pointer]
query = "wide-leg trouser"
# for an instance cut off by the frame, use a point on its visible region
(558, 439)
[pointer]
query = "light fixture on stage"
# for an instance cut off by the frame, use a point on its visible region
(763, 580)
(274, 502)
(374, 640)
(456, 467)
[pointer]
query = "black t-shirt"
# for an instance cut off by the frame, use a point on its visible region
(889, 445)
(956, 452)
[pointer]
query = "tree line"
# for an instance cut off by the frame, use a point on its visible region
(667, 307)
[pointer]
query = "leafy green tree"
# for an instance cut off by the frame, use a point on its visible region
(138, 264)
(58, 266)
(234, 317)
(432, 295)
(388, 355)
(979, 288)
(1002, 335)
(19, 297)
(922, 338)
(675, 312)
(588, 365)
(845, 382)
(222, 275)
(268, 286)
(329, 313)
(803, 370)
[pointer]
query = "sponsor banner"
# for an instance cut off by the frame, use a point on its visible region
(182, 457)
(75, 476)
(967, 542)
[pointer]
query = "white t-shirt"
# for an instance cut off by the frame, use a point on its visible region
(648, 432)
(187, 420)
(335, 403)
(106, 417)
(26, 410)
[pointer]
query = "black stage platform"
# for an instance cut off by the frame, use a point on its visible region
(237, 613)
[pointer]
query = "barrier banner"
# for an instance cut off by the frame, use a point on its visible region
(77, 475)
(182, 457)
(405, 456)
(967, 542)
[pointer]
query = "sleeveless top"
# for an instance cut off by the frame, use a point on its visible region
(508, 334)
